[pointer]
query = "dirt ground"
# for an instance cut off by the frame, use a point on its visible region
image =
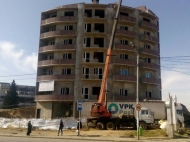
(25, 112)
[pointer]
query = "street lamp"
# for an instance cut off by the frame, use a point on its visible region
(137, 99)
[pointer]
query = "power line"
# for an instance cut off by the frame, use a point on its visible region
(18, 75)
(176, 70)
(176, 57)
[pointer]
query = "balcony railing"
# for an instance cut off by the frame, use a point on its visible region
(150, 66)
(56, 77)
(151, 81)
(148, 25)
(124, 98)
(128, 19)
(58, 33)
(125, 78)
(57, 47)
(129, 34)
(150, 52)
(127, 62)
(59, 19)
(151, 39)
(124, 47)
(55, 62)
(52, 97)
(92, 77)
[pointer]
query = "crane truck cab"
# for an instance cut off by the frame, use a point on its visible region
(146, 118)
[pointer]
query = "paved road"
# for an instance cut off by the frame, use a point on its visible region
(30, 139)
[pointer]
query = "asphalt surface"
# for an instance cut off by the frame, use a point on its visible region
(96, 138)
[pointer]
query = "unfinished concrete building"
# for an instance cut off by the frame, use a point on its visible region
(72, 51)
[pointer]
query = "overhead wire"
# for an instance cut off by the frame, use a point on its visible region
(167, 59)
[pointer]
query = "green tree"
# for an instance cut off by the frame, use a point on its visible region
(11, 99)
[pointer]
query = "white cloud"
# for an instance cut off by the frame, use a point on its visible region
(15, 57)
(176, 84)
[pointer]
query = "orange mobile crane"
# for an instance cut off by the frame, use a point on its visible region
(99, 109)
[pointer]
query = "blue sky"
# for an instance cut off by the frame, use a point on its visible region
(19, 40)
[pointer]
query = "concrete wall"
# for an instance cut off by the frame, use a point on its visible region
(46, 109)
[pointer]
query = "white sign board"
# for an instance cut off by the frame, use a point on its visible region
(46, 86)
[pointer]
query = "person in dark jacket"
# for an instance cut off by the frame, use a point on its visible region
(29, 128)
(60, 127)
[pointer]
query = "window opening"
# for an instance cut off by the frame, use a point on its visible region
(88, 12)
(65, 91)
(69, 13)
(124, 42)
(98, 71)
(148, 94)
(148, 75)
(85, 93)
(123, 92)
(86, 72)
(66, 71)
(124, 14)
(99, 13)
(146, 19)
(123, 72)
(123, 56)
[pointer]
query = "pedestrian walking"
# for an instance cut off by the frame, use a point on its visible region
(29, 128)
(60, 127)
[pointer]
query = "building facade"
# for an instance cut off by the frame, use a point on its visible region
(25, 93)
(72, 52)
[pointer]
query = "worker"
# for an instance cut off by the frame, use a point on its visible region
(61, 125)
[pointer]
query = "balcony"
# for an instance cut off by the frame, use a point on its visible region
(59, 20)
(124, 98)
(56, 77)
(93, 97)
(149, 26)
(69, 97)
(150, 39)
(150, 52)
(124, 47)
(129, 34)
(125, 78)
(58, 33)
(60, 47)
(56, 62)
(94, 18)
(92, 77)
(94, 33)
(152, 81)
(127, 19)
(152, 66)
(127, 62)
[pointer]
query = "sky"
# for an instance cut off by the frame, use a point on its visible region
(20, 30)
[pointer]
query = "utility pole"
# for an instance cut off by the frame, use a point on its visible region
(137, 87)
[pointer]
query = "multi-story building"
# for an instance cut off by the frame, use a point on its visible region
(25, 93)
(73, 48)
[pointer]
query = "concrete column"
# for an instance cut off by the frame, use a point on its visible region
(78, 62)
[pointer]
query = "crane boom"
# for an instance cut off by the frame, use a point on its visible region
(109, 54)
(99, 109)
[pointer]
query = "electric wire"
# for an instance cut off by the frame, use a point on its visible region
(163, 59)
